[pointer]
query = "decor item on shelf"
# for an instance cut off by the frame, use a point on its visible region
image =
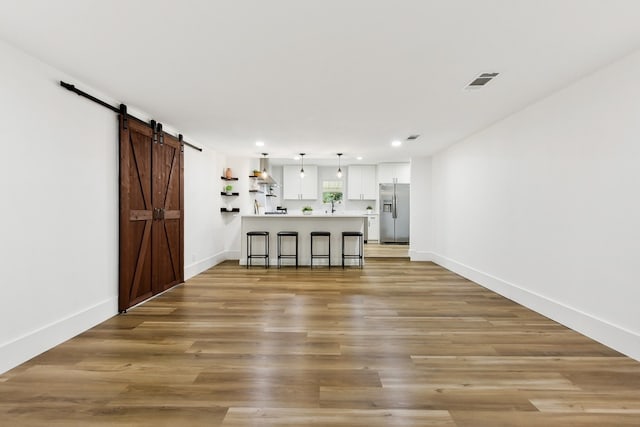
(228, 189)
(339, 173)
(302, 165)
(307, 210)
(228, 174)
(369, 209)
(229, 207)
(256, 173)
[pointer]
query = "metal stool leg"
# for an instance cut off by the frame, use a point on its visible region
(248, 250)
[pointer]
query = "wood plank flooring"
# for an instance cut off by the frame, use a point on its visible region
(378, 250)
(394, 344)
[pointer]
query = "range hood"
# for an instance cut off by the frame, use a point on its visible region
(264, 165)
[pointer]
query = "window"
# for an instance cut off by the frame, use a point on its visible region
(331, 191)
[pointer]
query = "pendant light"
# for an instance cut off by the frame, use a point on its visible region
(302, 165)
(265, 174)
(339, 173)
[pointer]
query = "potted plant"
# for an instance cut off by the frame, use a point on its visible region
(369, 209)
(307, 210)
(229, 189)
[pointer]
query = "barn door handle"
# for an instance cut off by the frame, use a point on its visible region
(158, 213)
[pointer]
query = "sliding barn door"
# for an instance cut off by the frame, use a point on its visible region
(167, 258)
(151, 213)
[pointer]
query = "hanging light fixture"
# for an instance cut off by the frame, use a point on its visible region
(339, 173)
(265, 174)
(302, 165)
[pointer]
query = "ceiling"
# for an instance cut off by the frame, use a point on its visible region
(324, 76)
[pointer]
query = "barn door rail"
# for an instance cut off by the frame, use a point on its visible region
(122, 109)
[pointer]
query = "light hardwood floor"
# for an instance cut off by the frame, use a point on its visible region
(377, 250)
(394, 344)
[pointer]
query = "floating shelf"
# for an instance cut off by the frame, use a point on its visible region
(256, 191)
(231, 211)
(271, 195)
(228, 179)
(223, 193)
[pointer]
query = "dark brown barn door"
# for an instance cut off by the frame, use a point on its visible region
(151, 213)
(168, 260)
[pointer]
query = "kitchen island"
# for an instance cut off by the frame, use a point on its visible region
(304, 225)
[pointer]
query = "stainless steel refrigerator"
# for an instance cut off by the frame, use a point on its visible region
(394, 213)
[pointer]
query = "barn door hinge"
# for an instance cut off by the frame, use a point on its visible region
(180, 137)
(153, 129)
(160, 134)
(123, 113)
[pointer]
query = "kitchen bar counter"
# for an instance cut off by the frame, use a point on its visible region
(304, 225)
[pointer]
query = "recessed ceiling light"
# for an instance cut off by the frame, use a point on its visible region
(359, 158)
(396, 143)
(260, 143)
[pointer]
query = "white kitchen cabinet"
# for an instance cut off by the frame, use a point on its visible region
(394, 172)
(373, 228)
(361, 183)
(296, 188)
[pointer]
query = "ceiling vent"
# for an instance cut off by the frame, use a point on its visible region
(412, 137)
(482, 80)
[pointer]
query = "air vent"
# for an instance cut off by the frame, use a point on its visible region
(482, 80)
(412, 137)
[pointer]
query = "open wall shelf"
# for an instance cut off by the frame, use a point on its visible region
(223, 193)
(231, 211)
(228, 179)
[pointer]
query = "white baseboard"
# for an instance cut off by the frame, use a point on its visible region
(415, 255)
(199, 266)
(616, 337)
(23, 348)
(233, 255)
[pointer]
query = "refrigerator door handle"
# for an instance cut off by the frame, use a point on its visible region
(394, 208)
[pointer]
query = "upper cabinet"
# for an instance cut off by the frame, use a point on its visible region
(296, 188)
(361, 183)
(394, 172)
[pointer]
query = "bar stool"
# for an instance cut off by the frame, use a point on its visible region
(328, 254)
(282, 234)
(360, 237)
(250, 254)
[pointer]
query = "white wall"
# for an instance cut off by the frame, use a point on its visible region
(241, 167)
(59, 216)
(421, 211)
(543, 207)
(204, 244)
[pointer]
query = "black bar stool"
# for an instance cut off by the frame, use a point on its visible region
(250, 254)
(328, 254)
(282, 234)
(360, 253)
